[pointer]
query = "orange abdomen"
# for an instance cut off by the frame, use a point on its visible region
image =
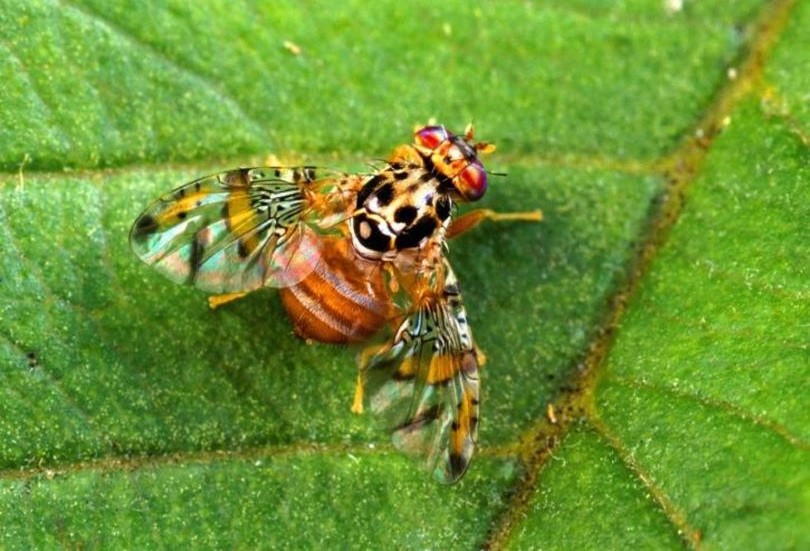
(343, 300)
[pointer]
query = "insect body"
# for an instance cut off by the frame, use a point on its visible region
(357, 258)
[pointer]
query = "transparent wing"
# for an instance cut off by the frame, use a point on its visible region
(424, 382)
(239, 230)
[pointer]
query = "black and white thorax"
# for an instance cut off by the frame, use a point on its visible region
(397, 209)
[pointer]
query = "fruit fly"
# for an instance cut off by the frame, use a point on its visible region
(358, 258)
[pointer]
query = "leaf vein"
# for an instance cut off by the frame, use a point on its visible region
(723, 405)
(11, 242)
(220, 92)
(36, 94)
(690, 535)
(127, 462)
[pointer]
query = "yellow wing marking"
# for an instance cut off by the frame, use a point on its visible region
(442, 369)
(240, 214)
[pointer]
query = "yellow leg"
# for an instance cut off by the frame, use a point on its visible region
(357, 404)
(215, 301)
(362, 361)
(471, 219)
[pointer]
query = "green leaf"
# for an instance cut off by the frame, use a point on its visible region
(133, 416)
(89, 83)
(699, 407)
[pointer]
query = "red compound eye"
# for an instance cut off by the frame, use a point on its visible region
(472, 182)
(430, 137)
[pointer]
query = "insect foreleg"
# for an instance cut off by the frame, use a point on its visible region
(471, 219)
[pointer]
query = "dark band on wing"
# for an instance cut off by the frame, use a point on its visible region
(458, 463)
(423, 418)
(146, 225)
(195, 258)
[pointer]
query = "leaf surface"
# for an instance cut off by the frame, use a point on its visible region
(646, 343)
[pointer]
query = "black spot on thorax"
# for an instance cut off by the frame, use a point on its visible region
(406, 214)
(367, 189)
(385, 194)
(443, 207)
(368, 233)
(412, 235)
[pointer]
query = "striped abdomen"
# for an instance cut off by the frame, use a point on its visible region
(342, 301)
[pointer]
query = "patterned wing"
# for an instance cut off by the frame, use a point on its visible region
(240, 230)
(424, 383)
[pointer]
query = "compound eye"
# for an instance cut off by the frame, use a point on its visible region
(472, 182)
(430, 137)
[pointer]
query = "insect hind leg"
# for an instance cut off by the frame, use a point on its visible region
(363, 360)
(215, 301)
(357, 403)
